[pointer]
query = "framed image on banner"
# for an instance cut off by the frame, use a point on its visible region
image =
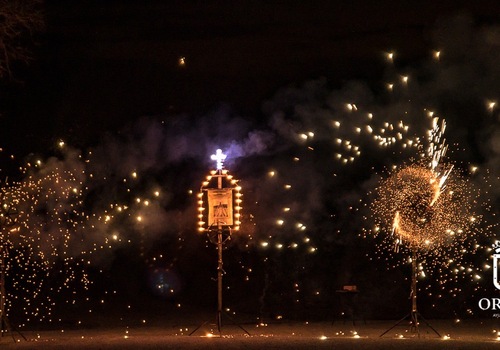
(220, 207)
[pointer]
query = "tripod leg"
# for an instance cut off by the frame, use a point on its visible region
(201, 325)
(7, 328)
(396, 324)
(18, 332)
(429, 325)
(237, 324)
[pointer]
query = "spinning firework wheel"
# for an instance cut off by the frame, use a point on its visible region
(411, 198)
(424, 208)
(429, 213)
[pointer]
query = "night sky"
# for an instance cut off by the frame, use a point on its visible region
(142, 92)
(100, 66)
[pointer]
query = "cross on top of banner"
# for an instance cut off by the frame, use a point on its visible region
(219, 157)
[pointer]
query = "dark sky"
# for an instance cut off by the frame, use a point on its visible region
(101, 64)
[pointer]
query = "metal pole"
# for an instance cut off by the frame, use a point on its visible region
(219, 265)
(219, 280)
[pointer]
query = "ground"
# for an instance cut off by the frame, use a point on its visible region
(455, 334)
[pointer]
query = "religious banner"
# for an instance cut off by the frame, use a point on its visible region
(220, 207)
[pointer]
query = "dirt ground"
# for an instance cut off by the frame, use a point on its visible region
(454, 334)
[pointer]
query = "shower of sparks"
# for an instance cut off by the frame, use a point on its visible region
(57, 234)
(422, 214)
(40, 243)
(429, 208)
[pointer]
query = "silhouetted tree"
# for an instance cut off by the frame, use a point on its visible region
(19, 21)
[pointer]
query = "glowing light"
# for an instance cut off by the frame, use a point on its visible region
(235, 194)
(219, 157)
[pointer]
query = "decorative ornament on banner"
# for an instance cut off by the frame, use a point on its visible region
(219, 200)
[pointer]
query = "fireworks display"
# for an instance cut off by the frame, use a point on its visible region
(427, 206)
(306, 171)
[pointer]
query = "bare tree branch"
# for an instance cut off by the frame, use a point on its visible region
(19, 21)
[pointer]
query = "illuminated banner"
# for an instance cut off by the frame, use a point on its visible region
(220, 207)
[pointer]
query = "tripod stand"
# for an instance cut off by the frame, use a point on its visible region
(220, 240)
(414, 315)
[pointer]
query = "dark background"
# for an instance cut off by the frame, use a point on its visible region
(100, 65)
